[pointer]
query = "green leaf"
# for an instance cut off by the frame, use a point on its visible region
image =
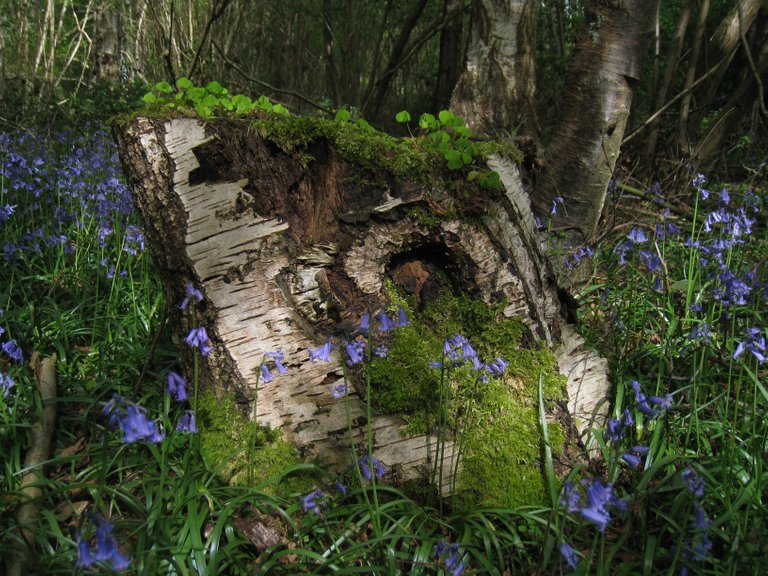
(403, 116)
(445, 116)
(196, 94)
(164, 87)
(242, 103)
(183, 83)
(342, 115)
(214, 87)
(280, 109)
(364, 124)
(149, 98)
(428, 122)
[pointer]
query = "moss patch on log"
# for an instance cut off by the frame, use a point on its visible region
(244, 453)
(495, 422)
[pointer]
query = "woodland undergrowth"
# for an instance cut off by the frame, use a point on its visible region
(676, 482)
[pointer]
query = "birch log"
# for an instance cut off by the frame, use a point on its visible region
(289, 249)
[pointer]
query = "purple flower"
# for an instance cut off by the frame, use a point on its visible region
(449, 553)
(555, 202)
(6, 383)
(571, 497)
(402, 319)
(12, 349)
(341, 488)
(192, 292)
(323, 353)
(177, 386)
(136, 426)
(381, 351)
(754, 343)
(277, 356)
(700, 520)
(365, 322)
(614, 431)
(106, 549)
(371, 467)
(338, 391)
(569, 556)
(693, 482)
(663, 402)
(599, 496)
(385, 323)
(187, 422)
(266, 375)
(632, 459)
(637, 236)
(497, 367)
(198, 338)
(355, 351)
(310, 501)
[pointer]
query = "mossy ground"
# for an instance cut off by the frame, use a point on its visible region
(496, 423)
(245, 453)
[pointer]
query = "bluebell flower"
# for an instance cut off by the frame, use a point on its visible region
(754, 343)
(599, 496)
(700, 521)
(614, 431)
(177, 386)
(341, 488)
(136, 426)
(632, 459)
(568, 554)
(365, 324)
(558, 200)
(577, 256)
(6, 212)
(355, 350)
(192, 292)
(323, 353)
(277, 356)
(6, 383)
(700, 332)
(637, 236)
(371, 467)
(311, 502)
(381, 351)
(693, 482)
(449, 553)
(497, 367)
(12, 349)
(571, 497)
(663, 402)
(402, 318)
(266, 375)
(187, 422)
(338, 391)
(385, 322)
(198, 338)
(106, 548)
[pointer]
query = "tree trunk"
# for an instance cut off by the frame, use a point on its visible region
(450, 64)
(291, 248)
(580, 160)
(106, 47)
(495, 94)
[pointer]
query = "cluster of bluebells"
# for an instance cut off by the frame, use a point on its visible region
(104, 549)
(450, 556)
(55, 188)
(458, 351)
(371, 467)
(177, 390)
(133, 420)
(595, 499)
(697, 549)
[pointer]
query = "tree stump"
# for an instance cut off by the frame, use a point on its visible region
(292, 243)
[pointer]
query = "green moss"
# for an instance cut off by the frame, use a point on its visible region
(243, 452)
(496, 422)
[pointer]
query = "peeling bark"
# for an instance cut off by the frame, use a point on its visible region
(289, 251)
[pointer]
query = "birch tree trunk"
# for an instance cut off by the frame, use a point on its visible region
(289, 249)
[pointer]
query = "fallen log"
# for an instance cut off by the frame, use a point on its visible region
(293, 228)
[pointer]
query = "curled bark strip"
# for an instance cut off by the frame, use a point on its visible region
(30, 490)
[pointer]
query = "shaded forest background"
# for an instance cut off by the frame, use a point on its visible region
(701, 97)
